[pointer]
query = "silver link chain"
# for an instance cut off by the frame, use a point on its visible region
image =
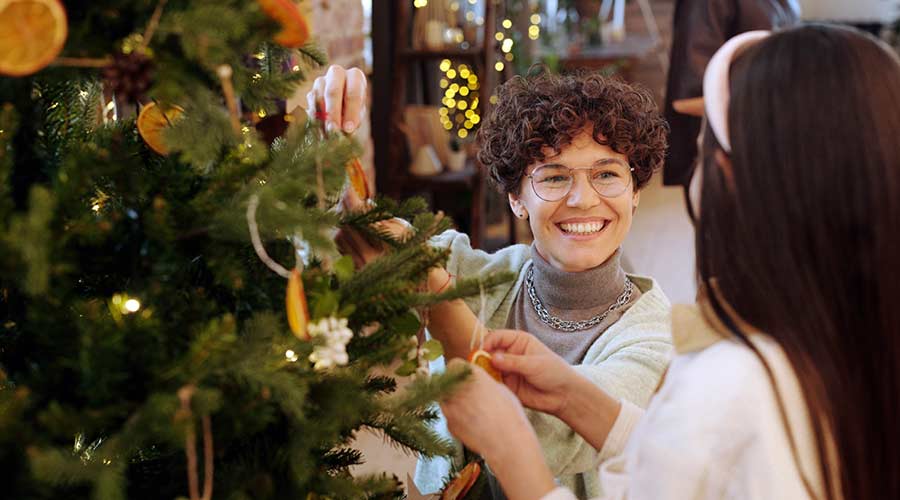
(573, 326)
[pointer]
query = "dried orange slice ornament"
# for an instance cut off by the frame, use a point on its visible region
(297, 309)
(462, 483)
(32, 33)
(294, 28)
(151, 123)
(483, 359)
(358, 179)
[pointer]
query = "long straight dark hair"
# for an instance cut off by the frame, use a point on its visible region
(798, 234)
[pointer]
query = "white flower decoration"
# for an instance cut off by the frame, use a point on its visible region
(334, 351)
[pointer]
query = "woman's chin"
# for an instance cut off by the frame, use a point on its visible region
(577, 264)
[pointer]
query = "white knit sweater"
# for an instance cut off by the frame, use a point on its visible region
(714, 429)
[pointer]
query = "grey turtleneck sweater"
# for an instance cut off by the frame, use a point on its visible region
(571, 296)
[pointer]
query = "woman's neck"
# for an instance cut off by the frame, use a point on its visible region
(587, 289)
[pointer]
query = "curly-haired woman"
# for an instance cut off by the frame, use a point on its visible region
(572, 153)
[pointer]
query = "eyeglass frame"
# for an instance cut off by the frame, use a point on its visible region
(597, 164)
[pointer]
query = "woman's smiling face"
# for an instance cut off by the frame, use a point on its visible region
(583, 229)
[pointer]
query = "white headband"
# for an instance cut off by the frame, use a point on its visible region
(716, 93)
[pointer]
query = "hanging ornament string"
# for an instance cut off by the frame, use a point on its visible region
(224, 72)
(252, 205)
(103, 62)
(190, 446)
(478, 332)
(296, 306)
(355, 172)
(152, 25)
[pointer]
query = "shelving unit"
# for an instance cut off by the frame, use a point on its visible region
(400, 80)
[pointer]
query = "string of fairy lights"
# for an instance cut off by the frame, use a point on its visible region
(459, 111)
(460, 101)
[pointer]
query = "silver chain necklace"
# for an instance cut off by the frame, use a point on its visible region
(573, 326)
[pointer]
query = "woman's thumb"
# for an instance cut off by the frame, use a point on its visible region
(513, 363)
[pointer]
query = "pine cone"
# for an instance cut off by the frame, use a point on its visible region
(130, 75)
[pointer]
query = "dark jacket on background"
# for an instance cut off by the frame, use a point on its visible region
(700, 27)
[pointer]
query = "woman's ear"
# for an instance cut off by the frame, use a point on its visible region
(517, 206)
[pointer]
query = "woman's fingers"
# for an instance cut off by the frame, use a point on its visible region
(354, 99)
(335, 81)
(342, 94)
(514, 363)
(315, 97)
(500, 340)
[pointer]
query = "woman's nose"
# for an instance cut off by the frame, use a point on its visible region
(582, 194)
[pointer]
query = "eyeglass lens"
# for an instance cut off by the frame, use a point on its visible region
(553, 182)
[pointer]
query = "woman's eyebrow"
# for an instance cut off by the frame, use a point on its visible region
(551, 164)
(606, 161)
(599, 163)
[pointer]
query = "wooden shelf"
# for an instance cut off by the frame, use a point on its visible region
(466, 176)
(402, 78)
(442, 54)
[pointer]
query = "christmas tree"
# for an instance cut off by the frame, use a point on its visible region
(176, 320)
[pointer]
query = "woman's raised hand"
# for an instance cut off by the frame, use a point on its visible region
(540, 378)
(342, 94)
(489, 420)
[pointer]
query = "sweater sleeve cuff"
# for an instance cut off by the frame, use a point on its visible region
(559, 494)
(618, 436)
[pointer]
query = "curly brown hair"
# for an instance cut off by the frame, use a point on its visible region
(549, 110)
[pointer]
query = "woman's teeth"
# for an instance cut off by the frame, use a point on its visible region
(583, 227)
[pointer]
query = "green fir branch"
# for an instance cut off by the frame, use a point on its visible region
(312, 54)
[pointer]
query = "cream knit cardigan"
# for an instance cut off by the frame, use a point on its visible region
(627, 361)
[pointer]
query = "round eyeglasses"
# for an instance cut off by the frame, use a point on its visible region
(553, 182)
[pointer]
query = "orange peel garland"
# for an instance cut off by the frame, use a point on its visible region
(297, 309)
(358, 178)
(151, 123)
(483, 359)
(32, 34)
(462, 483)
(294, 27)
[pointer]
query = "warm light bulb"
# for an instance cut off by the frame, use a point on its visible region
(132, 305)
(291, 356)
(499, 66)
(507, 23)
(535, 19)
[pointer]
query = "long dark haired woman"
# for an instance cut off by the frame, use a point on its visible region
(786, 380)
